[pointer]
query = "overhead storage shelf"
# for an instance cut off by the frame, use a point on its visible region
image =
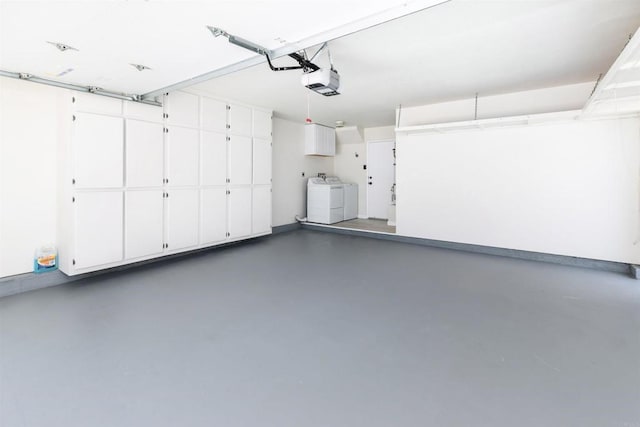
(499, 122)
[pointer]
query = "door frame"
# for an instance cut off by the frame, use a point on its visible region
(375, 141)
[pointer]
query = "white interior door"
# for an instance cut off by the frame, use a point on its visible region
(143, 223)
(213, 215)
(261, 208)
(98, 143)
(239, 119)
(213, 154)
(381, 176)
(144, 154)
(98, 233)
(239, 213)
(182, 218)
(214, 115)
(183, 148)
(261, 161)
(239, 160)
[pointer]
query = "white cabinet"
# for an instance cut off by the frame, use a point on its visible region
(239, 212)
(182, 109)
(144, 154)
(319, 140)
(213, 215)
(261, 161)
(182, 218)
(262, 124)
(143, 223)
(183, 146)
(97, 144)
(214, 115)
(239, 160)
(97, 228)
(213, 154)
(261, 210)
(239, 120)
(139, 181)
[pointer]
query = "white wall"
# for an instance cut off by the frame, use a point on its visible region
(350, 168)
(28, 158)
(289, 162)
(547, 100)
(566, 188)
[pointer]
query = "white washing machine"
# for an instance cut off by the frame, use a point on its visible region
(325, 200)
(350, 201)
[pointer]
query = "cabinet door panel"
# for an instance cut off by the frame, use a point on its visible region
(239, 213)
(182, 109)
(261, 124)
(214, 158)
(182, 218)
(143, 223)
(97, 104)
(239, 118)
(214, 115)
(239, 160)
(213, 215)
(98, 228)
(98, 146)
(143, 111)
(261, 208)
(182, 156)
(261, 161)
(144, 154)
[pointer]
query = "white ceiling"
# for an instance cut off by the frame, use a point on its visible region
(170, 37)
(449, 52)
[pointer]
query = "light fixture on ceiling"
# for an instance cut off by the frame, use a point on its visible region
(140, 67)
(339, 123)
(62, 47)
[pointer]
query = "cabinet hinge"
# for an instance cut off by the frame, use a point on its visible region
(165, 115)
(73, 181)
(228, 138)
(73, 99)
(228, 107)
(73, 261)
(166, 130)
(73, 200)
(228, 126)
(74, 118)
(228, 192)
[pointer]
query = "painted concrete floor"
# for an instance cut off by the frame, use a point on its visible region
(317, 329)
(369, 224)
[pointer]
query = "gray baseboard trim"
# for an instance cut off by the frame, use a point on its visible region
(595, 264)
(285, 228)
(30, 281)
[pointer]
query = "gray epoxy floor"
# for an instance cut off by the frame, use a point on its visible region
(313, 329)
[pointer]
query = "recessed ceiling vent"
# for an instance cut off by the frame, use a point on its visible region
(62, 47)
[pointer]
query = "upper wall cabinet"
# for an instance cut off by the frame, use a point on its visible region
(98, 142)
(239, 120)
(141, 111)
(182, 156)
(97, 104)
(182, 109)
(214, 115)
(262, 124)
(144, 154)
(213, 158)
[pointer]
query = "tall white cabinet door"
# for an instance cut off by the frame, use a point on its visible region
(143, 223)
(261, 222)
(144, 154)
(239, 212)
(261, 161)
(240, 160)
(213, 215)
(182, 109)
(182, 218)
(98, 228)
(261, 124)
(213, 158)
(239, 118)
(214, 115)
(183, 146)
(98, 145)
